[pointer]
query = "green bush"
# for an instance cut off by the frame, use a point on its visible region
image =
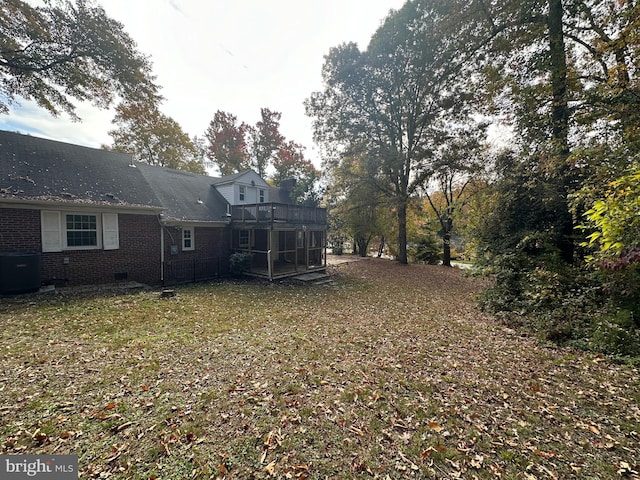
(426, 250)
(239, 263)
(617, 334)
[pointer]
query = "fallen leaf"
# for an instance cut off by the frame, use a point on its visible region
(435, 426)
(405, 437)
(476, 462)
(271, 469)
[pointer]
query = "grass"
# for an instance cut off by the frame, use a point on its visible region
(392, 373)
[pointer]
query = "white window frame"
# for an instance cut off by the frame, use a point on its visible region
(98, 231)
(244, 240)
(242, 192)
(53, 227)
(261, 195)
(191, 239)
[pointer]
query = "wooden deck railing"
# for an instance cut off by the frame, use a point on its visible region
(278, 213)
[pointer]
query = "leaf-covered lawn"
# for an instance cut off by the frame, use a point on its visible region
(391, 373)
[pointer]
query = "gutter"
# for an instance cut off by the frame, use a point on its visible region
(17, 202)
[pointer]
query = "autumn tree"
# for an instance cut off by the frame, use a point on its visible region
(227, 144)
(459, 166)
(152, 137)
(389, 103)
(265, 140)
(566, 73)
(289, 162)
(233, 147)
(356, 203)
(68, 50)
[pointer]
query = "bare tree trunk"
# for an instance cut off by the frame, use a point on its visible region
(402, 233)
(560, 125)
(381, 246)
(446, 242)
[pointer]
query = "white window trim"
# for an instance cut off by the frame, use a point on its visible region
(262, 196)
(54, 231)
(240, 238)
(97, 246)
(242, 193)
(191, 231)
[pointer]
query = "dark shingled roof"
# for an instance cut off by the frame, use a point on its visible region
(36, 169)
(186, 196)
(228, 178)
(33, 168)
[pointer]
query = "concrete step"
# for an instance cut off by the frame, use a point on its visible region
(315, 278)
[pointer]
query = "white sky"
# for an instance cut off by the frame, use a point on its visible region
(232, 55)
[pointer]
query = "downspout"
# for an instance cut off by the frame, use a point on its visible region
(324, 241)
(162, 254)
(307, 247)
(269, 248)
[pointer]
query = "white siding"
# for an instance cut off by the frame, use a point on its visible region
(227, 192)
(252, 184)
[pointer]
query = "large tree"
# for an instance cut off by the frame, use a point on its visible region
(265, 140)
(152, 137)
(357, 202)
(390, 103)
(567, 78)
(289, 162)
(68, 50)
(227, 144)
(459, 166)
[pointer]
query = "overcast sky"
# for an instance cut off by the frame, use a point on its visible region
(232, 55)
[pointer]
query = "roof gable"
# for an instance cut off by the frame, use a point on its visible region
(187, 197)
(248, 177)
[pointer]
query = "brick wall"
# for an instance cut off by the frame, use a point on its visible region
(210, 258)
(19, 230)
(137, 259)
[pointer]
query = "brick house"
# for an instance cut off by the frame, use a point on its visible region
(91, 216)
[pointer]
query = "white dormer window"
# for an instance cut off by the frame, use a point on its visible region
(243, 193)
(261, 194)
